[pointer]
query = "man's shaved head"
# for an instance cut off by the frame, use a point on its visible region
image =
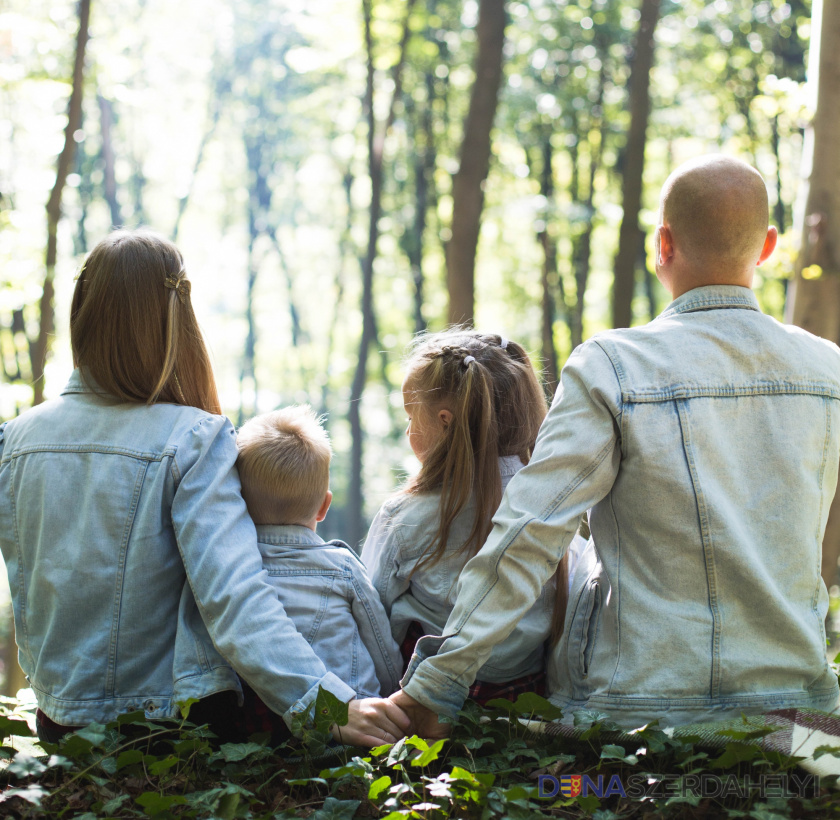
(716, 209)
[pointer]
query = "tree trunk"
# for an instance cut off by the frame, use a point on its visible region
(468, 183)
(549, 273)
(106, 121)
(41, 346)
(814, 295)
(634, 162)
(376, 151)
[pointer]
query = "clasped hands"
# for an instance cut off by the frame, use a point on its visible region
(377, 721)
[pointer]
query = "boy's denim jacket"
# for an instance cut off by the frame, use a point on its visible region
(124, 533)
(327, 593)
(707, 445)
(400, 535)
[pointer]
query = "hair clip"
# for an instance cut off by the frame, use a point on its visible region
(503, 342)
(468, 359)
(179, 283)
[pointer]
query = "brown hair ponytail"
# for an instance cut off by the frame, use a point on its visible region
(132, 327)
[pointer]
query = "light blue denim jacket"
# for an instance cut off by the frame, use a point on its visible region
(400, 536)
(326, 591)
(707, 445)
(126, 542)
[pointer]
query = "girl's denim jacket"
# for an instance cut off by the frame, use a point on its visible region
(400, 535)
(707, 445)
(135, 574)
(327, 593)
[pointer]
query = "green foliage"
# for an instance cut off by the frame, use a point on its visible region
(489, 768)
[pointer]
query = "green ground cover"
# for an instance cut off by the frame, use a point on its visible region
(494, 766)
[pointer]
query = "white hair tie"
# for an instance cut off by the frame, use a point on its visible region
(468, 359)
(503, 342)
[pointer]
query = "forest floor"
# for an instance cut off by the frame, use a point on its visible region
(494, 766)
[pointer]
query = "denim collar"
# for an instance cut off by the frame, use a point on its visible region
(288, 535)
(509, 465)
(78, 385)
(712, 297)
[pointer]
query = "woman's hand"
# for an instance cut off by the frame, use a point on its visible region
(424, 722)
(372, 722)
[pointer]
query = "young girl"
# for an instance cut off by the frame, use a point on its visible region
(134, 568)
(474, 407)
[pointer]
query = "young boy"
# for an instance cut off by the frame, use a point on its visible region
(284, 467)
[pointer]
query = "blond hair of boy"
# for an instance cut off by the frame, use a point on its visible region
(284, 466)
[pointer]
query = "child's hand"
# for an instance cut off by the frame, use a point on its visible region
(372, 722)
(424, 722)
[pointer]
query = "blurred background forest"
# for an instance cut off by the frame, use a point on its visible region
(340, 174)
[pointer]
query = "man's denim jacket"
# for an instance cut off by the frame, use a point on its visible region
(401, 535)
(126, 541)
(707, 445)
(326, 592)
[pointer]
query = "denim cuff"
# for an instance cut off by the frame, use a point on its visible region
(332, 683)
(431, 688)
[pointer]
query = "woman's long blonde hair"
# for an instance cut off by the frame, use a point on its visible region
(132, 327)
(489, 386)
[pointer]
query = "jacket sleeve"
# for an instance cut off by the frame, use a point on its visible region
(374, 629)
(381, 556)
(574, 466)
(218, 545)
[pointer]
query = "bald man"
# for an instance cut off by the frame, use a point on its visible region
(706, 445)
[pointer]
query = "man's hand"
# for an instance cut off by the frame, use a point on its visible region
(424, 722)
(372, 722)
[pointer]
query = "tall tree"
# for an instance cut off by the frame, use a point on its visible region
(633, 163)
(814, 294)
(376, 135)
(39, 349)
(468, 183)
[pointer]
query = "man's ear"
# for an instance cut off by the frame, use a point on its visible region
(445, 418)
(769, 244)
(322, 513)
(665, 243)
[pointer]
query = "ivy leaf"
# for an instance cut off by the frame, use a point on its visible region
(113, 806)
(834, 751)
(131, 717)
(378, 786)
(235, 752)
(329, 710)
(33, 793)
(609, 752)
(11, 726)
(334, 809)
(184, 707)
(356, 767)
(25, 765)
(735, 753)
(429, 755)
(94, 733)
(154, 803)
(589, 803)
(164, 764)
(128, 758)
(530, 703)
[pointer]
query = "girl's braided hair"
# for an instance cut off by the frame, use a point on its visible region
(490, 387)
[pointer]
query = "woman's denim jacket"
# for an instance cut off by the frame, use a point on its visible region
(327, 593)
(707, 445)
(401, 535)
(127, 541)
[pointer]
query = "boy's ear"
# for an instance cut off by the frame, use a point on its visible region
(322, 512)
(445, 417)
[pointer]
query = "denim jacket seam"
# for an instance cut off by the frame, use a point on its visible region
(660, 395)
(20, 569)
(708, 548)
(619, 374)
(547, 511)
(113, 644)
(140, 455)
(818, 568)
(381, 642)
